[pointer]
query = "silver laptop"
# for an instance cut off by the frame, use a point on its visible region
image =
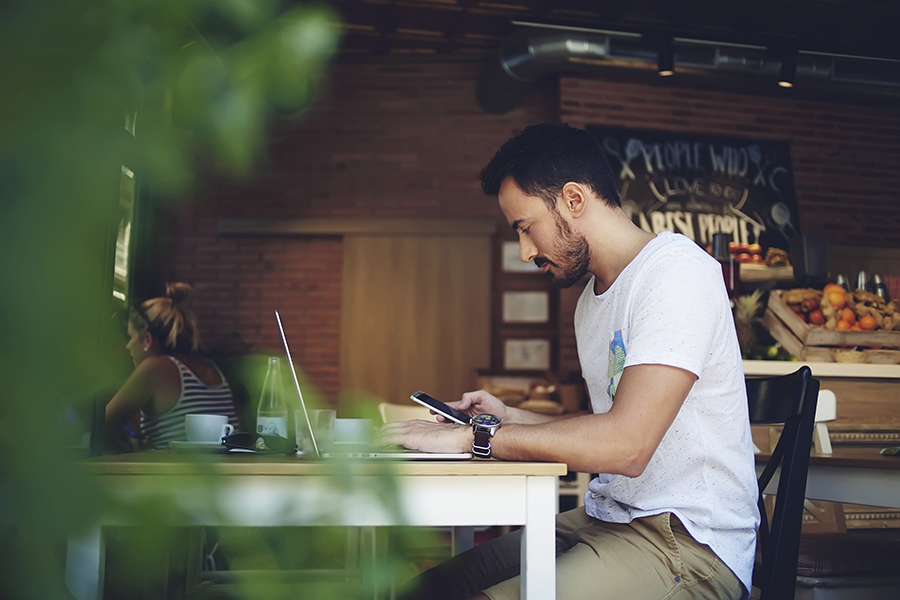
(388, 453)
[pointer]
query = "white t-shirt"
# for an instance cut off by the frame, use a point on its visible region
(669, 306)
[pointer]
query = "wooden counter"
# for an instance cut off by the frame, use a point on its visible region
(868, 419)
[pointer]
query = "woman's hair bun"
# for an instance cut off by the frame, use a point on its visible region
(178, 292)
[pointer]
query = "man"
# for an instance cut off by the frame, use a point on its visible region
(673, 512)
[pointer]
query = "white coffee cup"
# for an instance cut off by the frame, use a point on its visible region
(353, 431)
(206, 428)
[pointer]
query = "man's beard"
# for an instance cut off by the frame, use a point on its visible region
(573, 255)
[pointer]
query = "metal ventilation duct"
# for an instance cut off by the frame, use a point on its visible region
(530, 53)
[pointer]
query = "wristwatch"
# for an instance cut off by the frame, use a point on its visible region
(484, 426)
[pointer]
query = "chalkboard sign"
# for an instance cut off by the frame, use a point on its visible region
(699, 185)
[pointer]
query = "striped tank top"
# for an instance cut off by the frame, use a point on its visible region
(196, 398)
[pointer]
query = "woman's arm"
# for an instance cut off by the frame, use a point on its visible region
(136, 394)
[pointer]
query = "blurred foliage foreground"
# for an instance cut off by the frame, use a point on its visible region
(197, 79)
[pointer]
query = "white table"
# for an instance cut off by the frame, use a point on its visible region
(850, 475)
(261, 491)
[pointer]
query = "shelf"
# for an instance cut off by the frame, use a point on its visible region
(757, 273)
(822, 369)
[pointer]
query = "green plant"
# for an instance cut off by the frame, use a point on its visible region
(161, 86)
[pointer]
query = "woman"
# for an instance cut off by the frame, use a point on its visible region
(169, 380)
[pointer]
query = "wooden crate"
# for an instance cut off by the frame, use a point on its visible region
(783, 335)
(816, 343)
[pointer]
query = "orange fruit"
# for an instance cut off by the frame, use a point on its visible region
(848, 315)
(843, 325)
(855, 328)
(833, 287)
(837, 299)
(867, 323)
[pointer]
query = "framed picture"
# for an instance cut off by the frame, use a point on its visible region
(526, 307)
(511, 261)
(526, 354)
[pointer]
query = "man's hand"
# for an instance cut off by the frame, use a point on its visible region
(426, 436)
(446, 436)
(479, 403)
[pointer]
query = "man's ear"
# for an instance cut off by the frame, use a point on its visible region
(574, 199)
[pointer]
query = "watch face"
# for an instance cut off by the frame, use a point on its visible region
(485, 420)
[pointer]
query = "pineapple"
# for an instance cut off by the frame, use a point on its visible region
(746, 314)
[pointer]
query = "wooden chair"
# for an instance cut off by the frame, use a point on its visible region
(789, 400)
(403, 412)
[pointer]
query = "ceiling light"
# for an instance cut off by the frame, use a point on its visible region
(666, 59)
(788, 71)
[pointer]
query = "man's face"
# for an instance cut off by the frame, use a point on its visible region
(573, 255)
(545, 236)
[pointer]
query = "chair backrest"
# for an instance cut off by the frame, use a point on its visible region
(788, 400)
(403, 412)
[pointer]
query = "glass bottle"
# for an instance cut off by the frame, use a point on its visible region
(731, 269)
(272, 413)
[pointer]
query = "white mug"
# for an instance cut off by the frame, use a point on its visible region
(353, 431)
(206, 428)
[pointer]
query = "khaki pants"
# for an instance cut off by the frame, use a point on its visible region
(648, 559)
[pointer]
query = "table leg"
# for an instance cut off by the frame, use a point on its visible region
(85, 562)
(539, 540)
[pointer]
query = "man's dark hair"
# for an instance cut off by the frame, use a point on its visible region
(543, 158)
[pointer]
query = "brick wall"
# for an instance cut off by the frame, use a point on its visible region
(409, 141)
(380, 141)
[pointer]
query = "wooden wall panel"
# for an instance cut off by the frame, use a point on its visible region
(415, 314)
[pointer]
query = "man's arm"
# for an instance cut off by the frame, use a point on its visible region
(621, 441)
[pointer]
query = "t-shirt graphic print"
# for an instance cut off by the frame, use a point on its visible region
(616, 363)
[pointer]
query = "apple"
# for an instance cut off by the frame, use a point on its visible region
(817, 317)
(743, 257)
(809, 305)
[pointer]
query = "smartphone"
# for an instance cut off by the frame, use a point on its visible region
(441, 408)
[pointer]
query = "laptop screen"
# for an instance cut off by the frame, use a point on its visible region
(290, 361)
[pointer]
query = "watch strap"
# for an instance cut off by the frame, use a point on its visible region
(481, 447)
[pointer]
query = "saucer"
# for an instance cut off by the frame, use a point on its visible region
(181, 446)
